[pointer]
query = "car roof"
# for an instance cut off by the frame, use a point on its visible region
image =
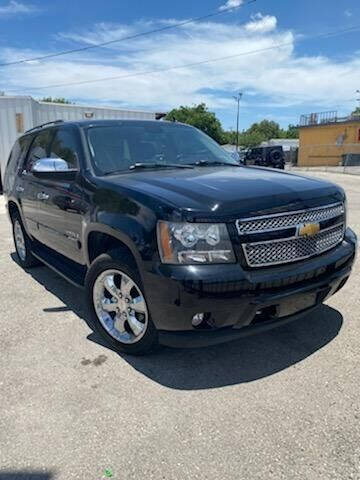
(96, 123)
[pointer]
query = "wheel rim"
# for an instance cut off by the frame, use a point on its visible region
(20, 241)
(120, 306)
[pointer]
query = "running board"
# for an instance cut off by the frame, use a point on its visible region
(69, 270)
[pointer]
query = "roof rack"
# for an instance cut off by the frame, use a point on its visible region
(54, 122)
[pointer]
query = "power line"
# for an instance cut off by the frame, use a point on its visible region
(158, 70)
(188, 65)
(130, 37)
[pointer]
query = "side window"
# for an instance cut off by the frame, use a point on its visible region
(15, 159)
(39, 148)
(14, 156)
(17, 154)
(66, 146)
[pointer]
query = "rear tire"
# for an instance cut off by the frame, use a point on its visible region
(23, 243)
(117, 305)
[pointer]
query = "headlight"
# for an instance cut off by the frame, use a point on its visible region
(194, 243)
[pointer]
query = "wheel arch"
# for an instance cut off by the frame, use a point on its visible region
(13, 208)
(100, 239)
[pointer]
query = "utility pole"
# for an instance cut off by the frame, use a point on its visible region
(237, 98)
(358, 99)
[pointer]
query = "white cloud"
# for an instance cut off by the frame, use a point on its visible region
(261, 24)
(275, 78)
(14, 8)
(348, 13)
(231, 4)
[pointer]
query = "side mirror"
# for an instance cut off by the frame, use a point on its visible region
(52, 168)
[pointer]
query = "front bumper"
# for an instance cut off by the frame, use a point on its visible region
(240, 302)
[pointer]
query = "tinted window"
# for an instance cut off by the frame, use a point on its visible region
(117, 147)
(66, 146)
(17, 154)
(14, 156)
(39, 148)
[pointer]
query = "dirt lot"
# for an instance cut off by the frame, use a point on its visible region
(283, 405)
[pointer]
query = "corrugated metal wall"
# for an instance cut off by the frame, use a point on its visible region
(9, 107)
(34, 113)
(45, 112)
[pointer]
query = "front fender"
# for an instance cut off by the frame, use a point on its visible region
(113, 232)
(126, 219)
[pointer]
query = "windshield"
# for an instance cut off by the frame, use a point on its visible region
(116, 148)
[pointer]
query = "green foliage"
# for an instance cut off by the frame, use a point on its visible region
(250, 139)
(356, 111)
(292, 132)
(261, 132)
(199, 116)
(56, 100)
(265, 130)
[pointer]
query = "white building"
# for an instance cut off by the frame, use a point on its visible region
(20, 113)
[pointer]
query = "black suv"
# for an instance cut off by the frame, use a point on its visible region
(272, 157)
(173, 241)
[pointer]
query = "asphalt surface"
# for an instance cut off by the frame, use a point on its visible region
(281, 405)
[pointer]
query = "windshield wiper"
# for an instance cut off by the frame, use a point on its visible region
(158, 165)
(206, 163)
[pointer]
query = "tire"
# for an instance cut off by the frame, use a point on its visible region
(22, 243)
(108, 284)
(275, 156)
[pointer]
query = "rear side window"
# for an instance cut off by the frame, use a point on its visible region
(14, 156)
(66, 146)
(17, 154)
(39, 148)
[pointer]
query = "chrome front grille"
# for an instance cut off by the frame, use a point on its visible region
(275, 252)
(287, 220)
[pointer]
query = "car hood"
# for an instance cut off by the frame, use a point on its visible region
(231, 191)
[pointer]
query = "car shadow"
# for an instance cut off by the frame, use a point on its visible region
(244, 360)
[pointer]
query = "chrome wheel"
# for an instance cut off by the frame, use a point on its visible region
(19, 240)
(120, 306)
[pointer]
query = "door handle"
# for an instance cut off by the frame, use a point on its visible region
(19, 189)
(43, 196)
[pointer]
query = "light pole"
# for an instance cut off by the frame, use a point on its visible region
(237, 98)
(358, 99)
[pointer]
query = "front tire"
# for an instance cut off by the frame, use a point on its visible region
(22, 244)
(117, 305)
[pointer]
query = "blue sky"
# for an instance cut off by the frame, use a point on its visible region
(304, 75)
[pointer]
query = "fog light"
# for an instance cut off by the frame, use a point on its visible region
(198, 319)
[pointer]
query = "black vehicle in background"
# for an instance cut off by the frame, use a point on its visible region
(172, 240)
(272, 157)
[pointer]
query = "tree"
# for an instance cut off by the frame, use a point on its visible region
(356, 111)
(266, 129)
(230, 137)
(292, 131)
(250, 140)
(200, 117)
(56, 100)
(261, 132)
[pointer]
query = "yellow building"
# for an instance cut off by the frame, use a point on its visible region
(324, 139)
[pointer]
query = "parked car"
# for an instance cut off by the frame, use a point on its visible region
(173, 241)
(266, 157)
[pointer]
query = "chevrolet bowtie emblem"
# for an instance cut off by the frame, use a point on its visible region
(308, 229)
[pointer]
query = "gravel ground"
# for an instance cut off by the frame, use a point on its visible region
(282, 405)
